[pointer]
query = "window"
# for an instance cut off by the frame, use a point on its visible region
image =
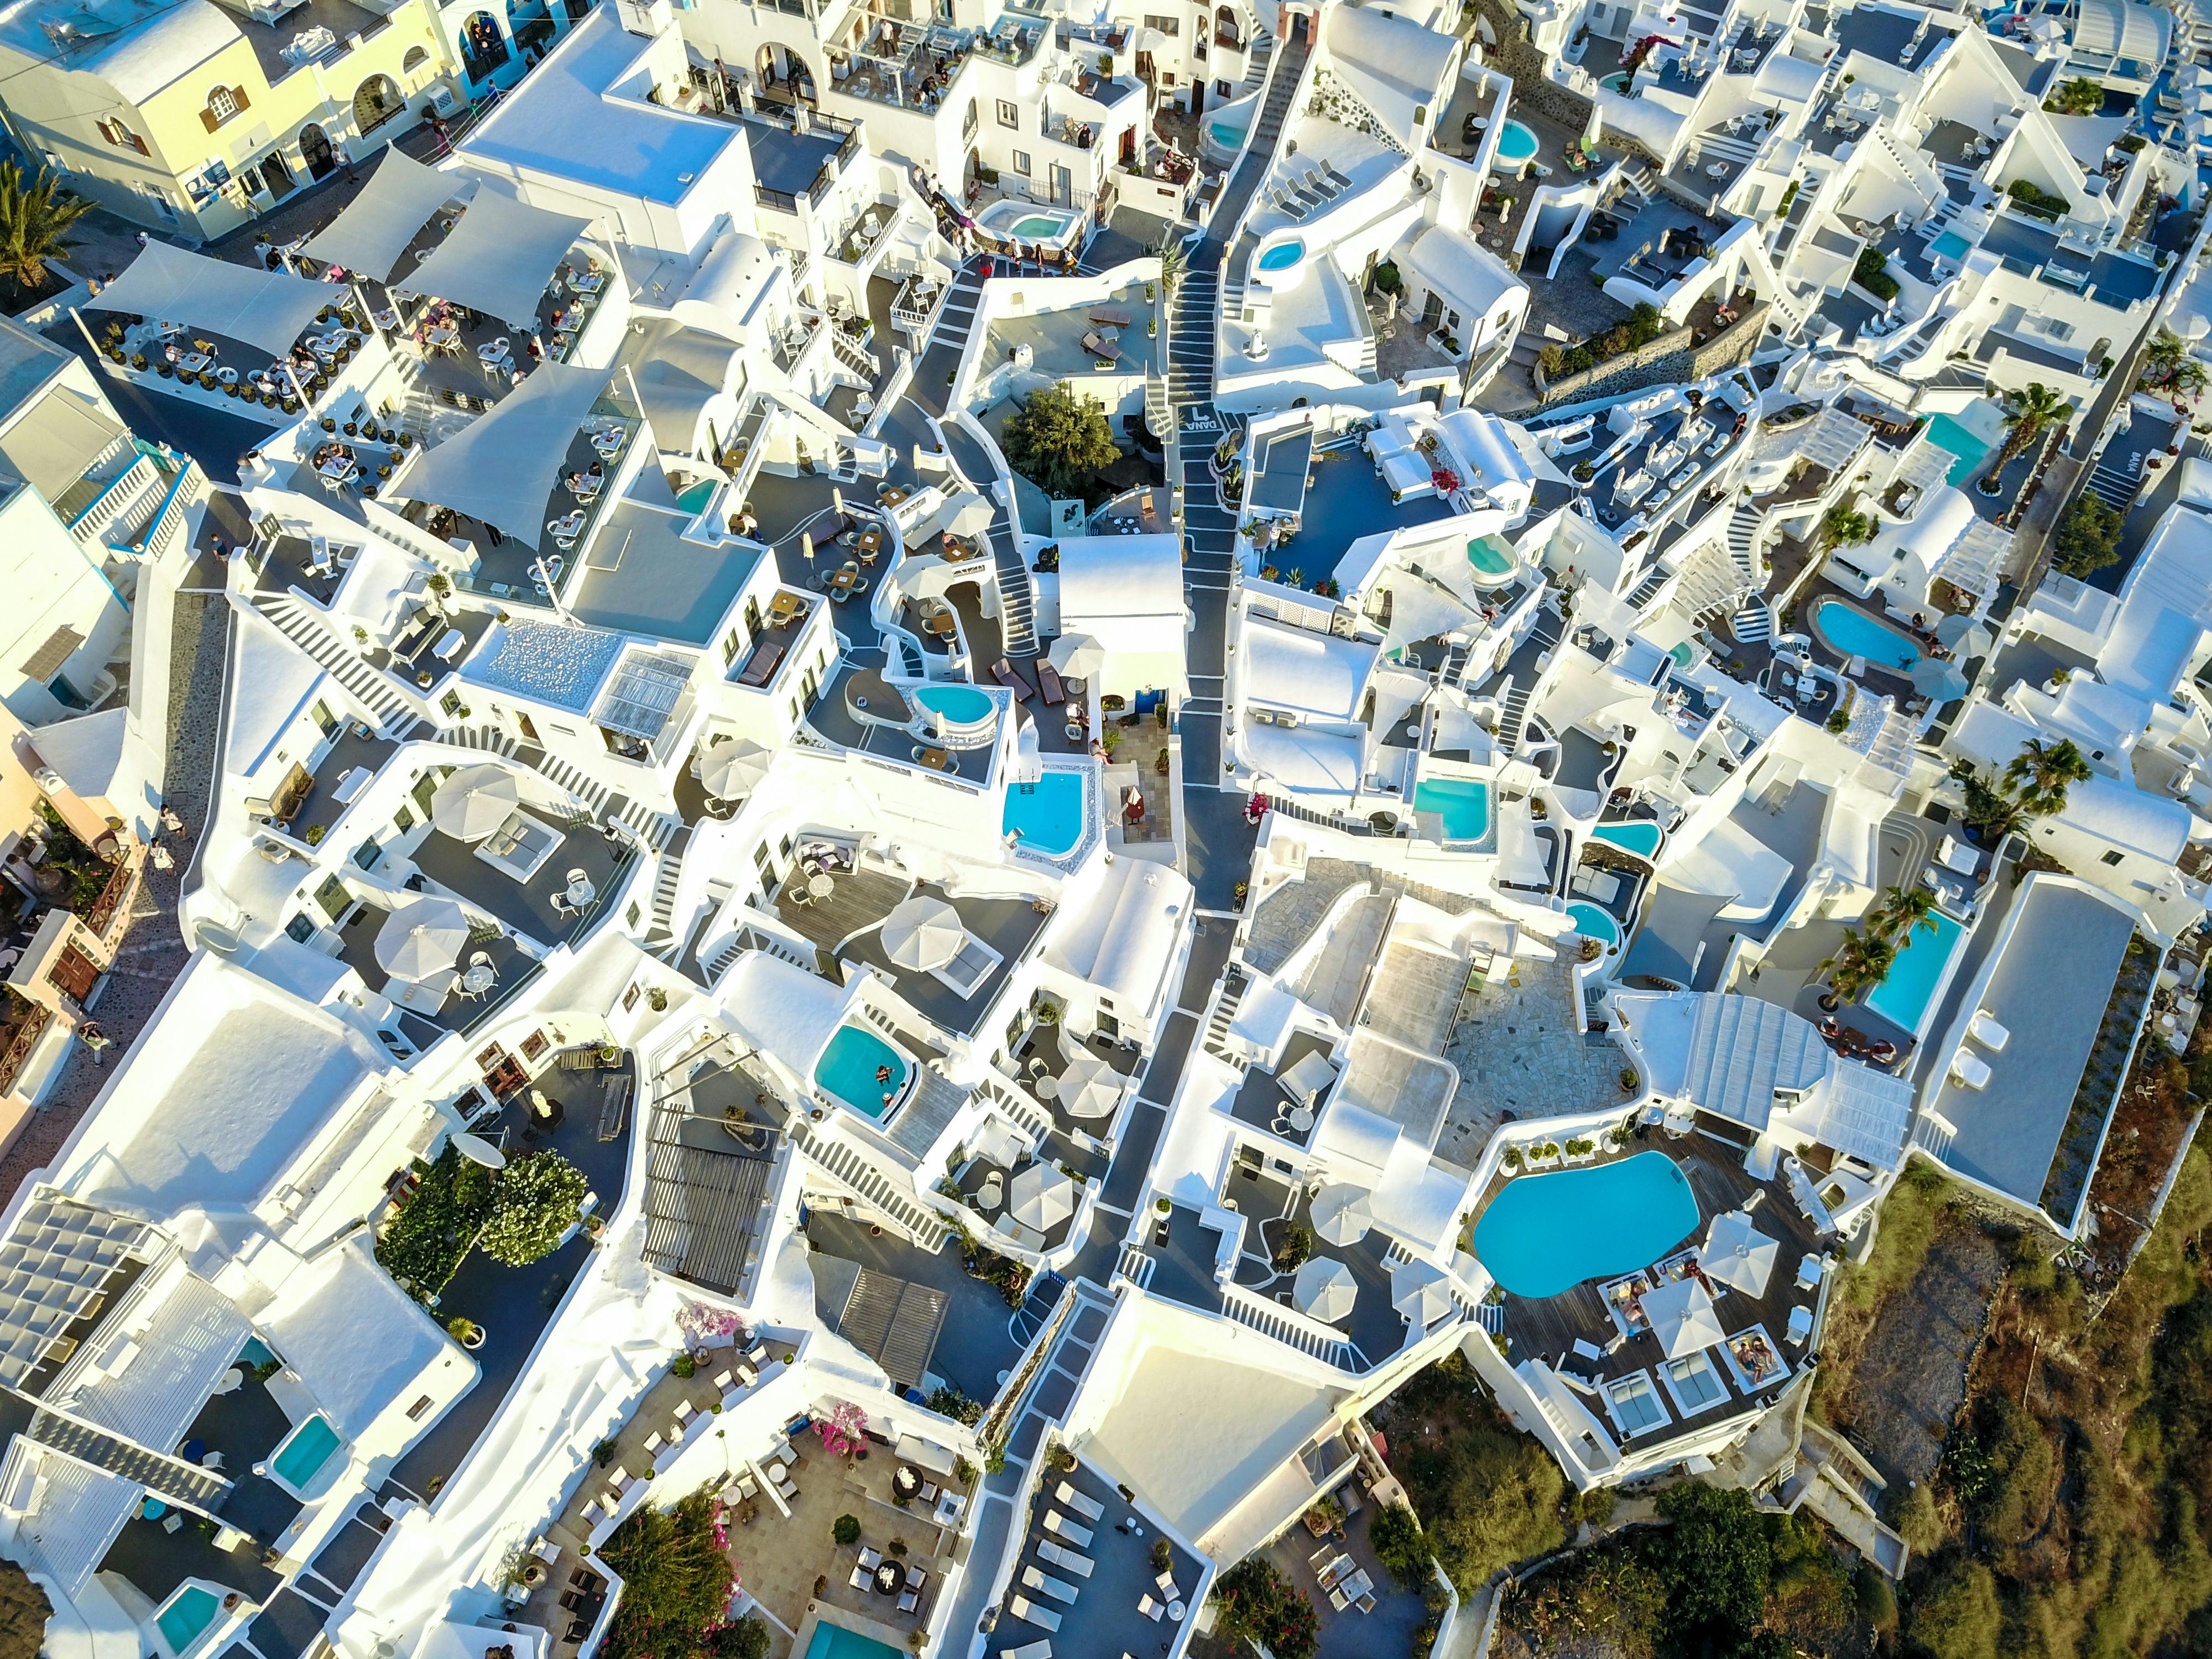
(402, 821)
(1165, 25)
(969, 122)
(1022, 162)
(367, 854)
(325, 722)
(1167, 79)
(332, 898)
(417, 57)
(2113, 858)
(421, 1405)
(223, 103)
(300, 928)
(121, 137)
(1009, 116)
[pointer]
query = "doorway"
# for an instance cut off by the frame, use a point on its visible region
(277, 174)
(315, 151)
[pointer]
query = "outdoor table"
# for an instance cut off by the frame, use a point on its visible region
(892, 497)
(820, 886)
(843, 581)
(1177, 1610)
(871, 542)
(479, 978)
(941, 624)
(887, 1579)
(906, 1480)
(581, 890)
(937, 760)
(339, 471)
(192, 363)
(442, 336)
(781, 606)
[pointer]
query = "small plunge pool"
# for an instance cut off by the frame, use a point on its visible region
(1517, 144)
(1283, 255)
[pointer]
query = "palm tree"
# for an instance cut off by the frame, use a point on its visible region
(2028, 410)
(1844, 525)
(1171, 262)
(34, 219)
(1861, 963)
(1905, 909)
(2040, 773)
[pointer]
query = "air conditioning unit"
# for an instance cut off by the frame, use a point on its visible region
(444, 100)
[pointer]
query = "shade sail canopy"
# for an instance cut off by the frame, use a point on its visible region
(1682, 1317)
(417, 941)
(1041, 1196)
(266, 308)
(498, 257)
(475, 801)
(1417, 1290)
(1736, 1253)
(1089, 1087)
(1341, 1213)
(373, 229)
(1325, 1289)
(733, 768)
(923, 934)
(500, 467)
(1079, 656)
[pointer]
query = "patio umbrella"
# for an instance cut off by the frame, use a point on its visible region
(425, 937)
(1041, 1196)
(969, 515)
(1325, 1289)
(1736, 1253)
(923, 934)
(475, 801)
(1076, 655)
(1417, 1290)
(1938, 681)
(1341, 1213)
(734, 769)
(1089, 1087)
(1682, 1317)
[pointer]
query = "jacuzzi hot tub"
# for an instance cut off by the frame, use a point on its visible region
(1031, 225)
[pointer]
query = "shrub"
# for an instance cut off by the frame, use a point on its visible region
(1254, 1602)
(2088, 537)
(1295, 1250)
(1871, 273)
(684, 1366)
(1386, 278)
(948, 1402)
(1490, 1494)
(535, 1203)
(2035, 200)
(426, 1241)
(676, 1576)
(1401, 1545)
(1957, 1615)
(845, 1531)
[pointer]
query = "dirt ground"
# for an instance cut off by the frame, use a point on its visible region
(1905, 1367)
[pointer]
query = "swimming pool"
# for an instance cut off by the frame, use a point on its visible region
(1490, 557)
(1854, 633)
(694, 499)
(1547, 1233)
(1907, 993)
(187, 1616)
(1464, 804)
(960, 705)
(1638, 835)
(1516, 144)
(1025, 221)
(1229, 135)
(835, 1642)
(1283, 255)
(1949, 245)
(1946, 433)
(1594, 923)
(848, 1069)
(304, 1450)
(1049, 813)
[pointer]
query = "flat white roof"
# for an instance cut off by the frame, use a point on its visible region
(1309, 673)
(354, 1337)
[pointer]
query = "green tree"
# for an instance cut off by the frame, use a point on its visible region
(1902, 910)
(1058, 438)
(537, 1202)
(2028, 410)
(1843, 526)
(676, 1580)
(2040, 773)
(1401, 1545)
(1991, 811)
(1489, 1496)
(1956, 1616)
(2087, 538)
(2080, 96)
(1171, 264)
(35, 218)
(1717, 1560)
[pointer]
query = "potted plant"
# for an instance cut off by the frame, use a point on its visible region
(1512, 1158)
(466, 1332)
(1629, 1079)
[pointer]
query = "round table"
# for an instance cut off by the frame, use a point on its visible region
(906, 1482)
(820, 886)
(887, 1579)
(1177, 1610)
(776, 1473)
(478, 980)
(1046, 1088)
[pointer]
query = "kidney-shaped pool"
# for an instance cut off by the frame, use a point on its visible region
(1547, 1233)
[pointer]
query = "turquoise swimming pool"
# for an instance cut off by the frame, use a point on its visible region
(1516, 144)
(1464, 804)
(1229, 135)
(1615, 82)
(1854, 633)
(694, 499)
(1283, 255)
(1949, 245)
(187, 1616)
(1594, 923)
(1048, 814)
(835, 1642)
(1946, 433)
(1488, 557)
(304, 1450)
(1906, 995)
(1638, 835)
(1547, 1233)
(962, 705)
(851, 1069)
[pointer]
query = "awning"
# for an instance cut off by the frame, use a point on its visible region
(498, 257)
(266, 308)
(373, 230)
(923, 1454)
(500, 468)
(56, 448)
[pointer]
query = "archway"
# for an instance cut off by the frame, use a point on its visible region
(376, 101)
(483, 48)
(315, 151)
(784, 76)
(1225, 31)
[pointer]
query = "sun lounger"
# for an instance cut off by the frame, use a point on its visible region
(1066, 1560)
(1049, 678)
(1055, 1521)
(1150, 1608)
(1089, 1508)
(1104, 349)
(1109, 317)
(1023, 1608)
(1043, 1582)
(1034, 1651)
(1003, 672)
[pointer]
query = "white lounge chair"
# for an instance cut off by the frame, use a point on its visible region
(1800, 1325)
(1034, 1651)
(1089, 1508)
(1066, 1560)
(1045, 1584)
(1150, 1608)
(1984, 1030)
(1970, 1069)
(1043, 1618)
(1077, 1535)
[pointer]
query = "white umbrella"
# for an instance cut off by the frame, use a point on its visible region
(1736, 1253)
(1325, 1289)
(970, 514)
(1041, 1196)
(1089, 1087)
(1682, 1317)
(1341, 1213)
(1077, 656)
(1417, 1290)
(425, 937)
(475, 801)
(923, 934)
(734, 769)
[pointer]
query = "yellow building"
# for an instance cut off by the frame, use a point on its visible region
(195, 117)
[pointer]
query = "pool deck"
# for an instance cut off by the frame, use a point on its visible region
(1546, 1327)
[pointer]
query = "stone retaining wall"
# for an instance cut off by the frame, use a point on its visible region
(1670, 358)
